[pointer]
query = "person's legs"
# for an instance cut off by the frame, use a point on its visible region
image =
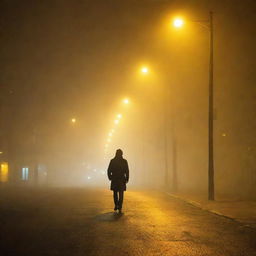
(115, 195)
(121, 198)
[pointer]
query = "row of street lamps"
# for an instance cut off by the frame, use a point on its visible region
(116, 121)
(178, 23)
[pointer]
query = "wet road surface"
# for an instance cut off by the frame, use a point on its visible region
(69, 221)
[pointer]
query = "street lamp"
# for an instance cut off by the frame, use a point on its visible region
(144, 70)
(126, 101)
(73, 120)
(179, 23)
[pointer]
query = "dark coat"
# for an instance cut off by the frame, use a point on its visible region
(118, 173)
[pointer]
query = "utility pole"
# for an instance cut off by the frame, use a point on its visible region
(210, 116)
(166, 148)
(35, 156)
(174, 159)
(167, 125)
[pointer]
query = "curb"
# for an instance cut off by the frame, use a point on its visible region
(198, 205)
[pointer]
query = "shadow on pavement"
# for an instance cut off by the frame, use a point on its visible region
(109, 216)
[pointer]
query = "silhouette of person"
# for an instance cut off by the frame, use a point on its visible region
(118, 174)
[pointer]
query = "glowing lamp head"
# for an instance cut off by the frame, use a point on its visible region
(116, 121)
(144, 70)
(73, 120)
(178, 22)
(119, 116)
(126, 101)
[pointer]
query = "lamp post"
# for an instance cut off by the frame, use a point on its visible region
(145, 71)
(210, 116)
(166, 146)
(35, 155)
(178, 23)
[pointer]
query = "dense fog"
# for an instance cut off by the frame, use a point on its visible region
(73, 91)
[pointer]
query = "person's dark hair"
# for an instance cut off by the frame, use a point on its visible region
(119, 153)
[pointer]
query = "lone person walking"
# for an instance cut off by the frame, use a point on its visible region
(118, 174)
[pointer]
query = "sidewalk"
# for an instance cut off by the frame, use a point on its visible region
(241, 211)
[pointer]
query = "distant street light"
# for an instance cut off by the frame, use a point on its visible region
(126, 101)
(119, 116)
(116, 121)
(73, 120)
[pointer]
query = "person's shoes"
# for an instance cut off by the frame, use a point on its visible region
(120, 210)
(116, 208)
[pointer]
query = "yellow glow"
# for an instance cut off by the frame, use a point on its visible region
(4, 172)
(106, 146)
(1, 152)
(109, 140)
(119, 116)
(112, 130)
(178, 22)
(110, 134)
(144, 70)
(73, 120)
(116, 121)
(126, 101)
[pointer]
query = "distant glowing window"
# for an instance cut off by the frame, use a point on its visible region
(4, 172)
(25, 173)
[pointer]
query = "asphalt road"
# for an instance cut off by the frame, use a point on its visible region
(81, 222)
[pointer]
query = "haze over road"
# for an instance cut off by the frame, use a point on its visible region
(69, 221)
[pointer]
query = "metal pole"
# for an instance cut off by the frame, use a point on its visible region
(167, 125)
(210, 124)
(35, 157)
(166, 156)
(174, 160)
(166, 96)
